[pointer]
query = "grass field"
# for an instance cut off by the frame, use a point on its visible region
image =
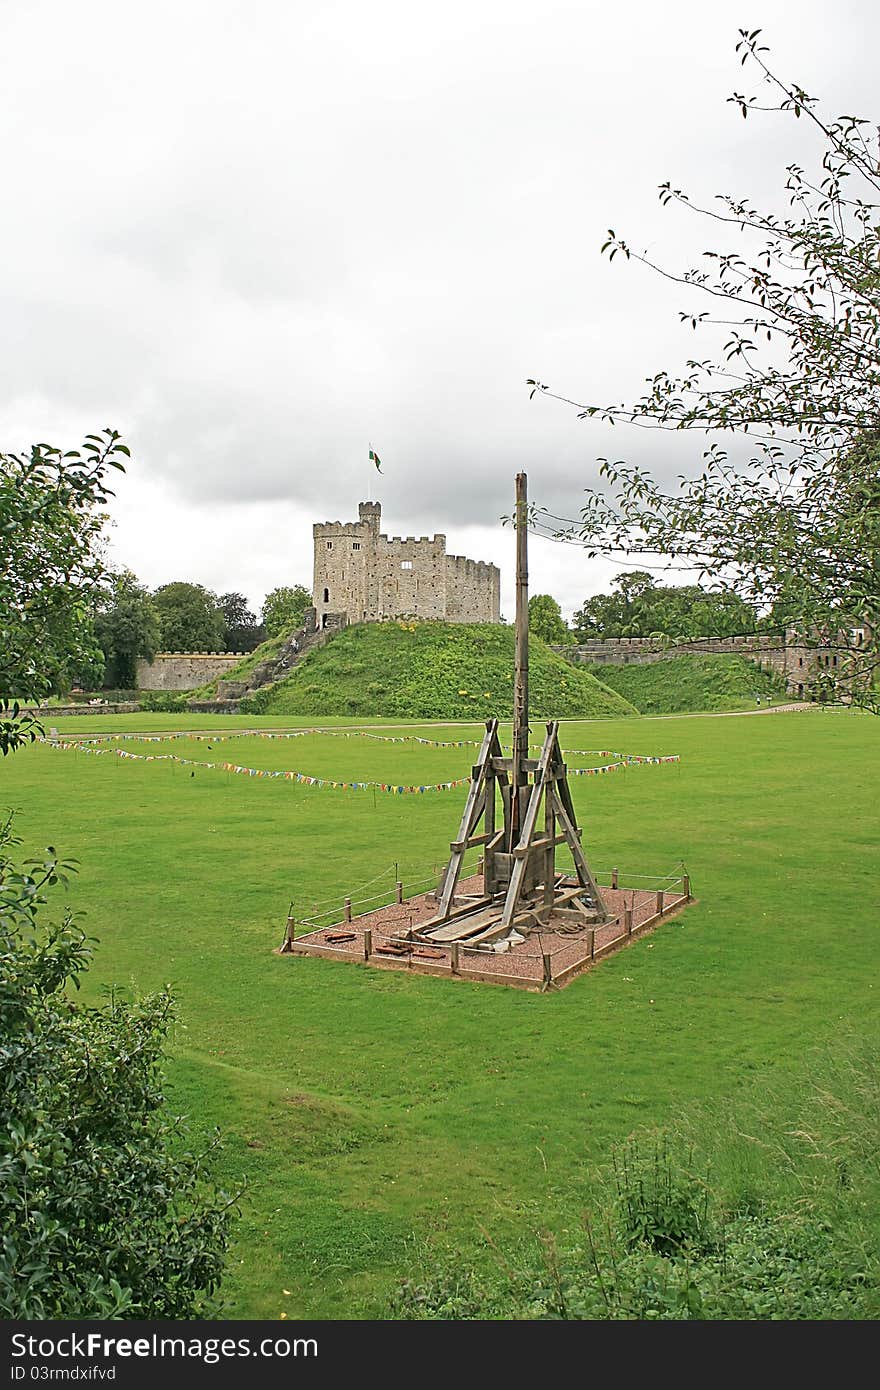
(694, 682)
(373, 1112)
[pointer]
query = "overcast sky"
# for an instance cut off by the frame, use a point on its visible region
(258, 237)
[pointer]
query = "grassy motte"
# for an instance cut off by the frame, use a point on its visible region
(434, 670)
(690, 683)
(266, 651)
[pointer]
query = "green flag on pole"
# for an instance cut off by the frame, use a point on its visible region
(374, 458)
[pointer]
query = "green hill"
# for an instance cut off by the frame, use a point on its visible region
(266, 651)
(433, 670)
(689, 683)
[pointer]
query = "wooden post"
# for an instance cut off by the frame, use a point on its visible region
(686, 886)
(613, 878)
(346, 909)
(592, 943)
(549, 873)
(398, 891)
(368, 943)
(453, 955)
(628, 920)
(289, 934)
(521, 676)
(660, 902)
(548, 978)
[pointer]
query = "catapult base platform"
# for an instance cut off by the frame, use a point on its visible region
(546, 959)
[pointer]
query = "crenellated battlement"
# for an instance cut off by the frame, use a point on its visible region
(367, 576)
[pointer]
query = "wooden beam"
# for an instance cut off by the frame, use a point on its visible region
(577, 853)
(527, 831)
(544, 842)
(521, 671)
(474, 807)
(507, 764)
(488, 837)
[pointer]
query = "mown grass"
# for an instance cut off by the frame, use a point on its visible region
(371, 1112)
(693, 682)
(433, 670)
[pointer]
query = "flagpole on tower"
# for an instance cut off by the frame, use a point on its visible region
(374, 459)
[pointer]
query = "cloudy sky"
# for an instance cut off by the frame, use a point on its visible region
(258, 237)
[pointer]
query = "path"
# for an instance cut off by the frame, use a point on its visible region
(434, 723)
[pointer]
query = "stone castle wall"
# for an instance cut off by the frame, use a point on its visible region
(184, 670)
(470, 585)
(362, 576)
(798, 665)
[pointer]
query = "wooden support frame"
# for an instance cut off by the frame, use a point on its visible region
(521, 885)
(480, 803)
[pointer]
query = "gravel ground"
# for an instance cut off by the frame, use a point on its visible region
(522, 964)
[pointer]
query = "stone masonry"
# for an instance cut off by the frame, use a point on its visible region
(362, 576)
(798, 664)
(184, 670)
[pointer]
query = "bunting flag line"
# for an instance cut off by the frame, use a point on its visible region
(392, 788)
(359, 733)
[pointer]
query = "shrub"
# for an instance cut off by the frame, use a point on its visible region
(103, 1211)
(165, 701)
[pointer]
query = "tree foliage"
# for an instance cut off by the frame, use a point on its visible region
(103, 1210)
(643, 608)
(127, 627)
(190, 618)
(51, 567)
(242, 632)
(546, 620)
(284, 609)
(795, 370)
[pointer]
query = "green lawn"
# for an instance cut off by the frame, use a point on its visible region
(372, 1111)
(694, 682)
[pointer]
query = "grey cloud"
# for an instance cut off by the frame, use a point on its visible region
(259, 238)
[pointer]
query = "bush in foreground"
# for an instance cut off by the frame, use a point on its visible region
(103, 1211)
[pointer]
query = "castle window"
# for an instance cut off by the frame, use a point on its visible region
(356, 545)
(329, 545)
(406, 564)
(326, 595)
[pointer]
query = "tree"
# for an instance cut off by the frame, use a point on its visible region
(127, 627)
(284, 609)
(797, 373)
(87, 671)
(103, 1212)
(643, 608)
(52, 566)
(190, 618)
(242, 632)
(546, 620)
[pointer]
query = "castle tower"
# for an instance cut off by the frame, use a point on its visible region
(362, 576)
(345, 567)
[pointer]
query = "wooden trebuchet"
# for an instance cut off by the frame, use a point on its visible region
(521, 886)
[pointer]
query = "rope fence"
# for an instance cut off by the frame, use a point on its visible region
(546, 957)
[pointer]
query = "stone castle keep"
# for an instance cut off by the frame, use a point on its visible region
(362, 576)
